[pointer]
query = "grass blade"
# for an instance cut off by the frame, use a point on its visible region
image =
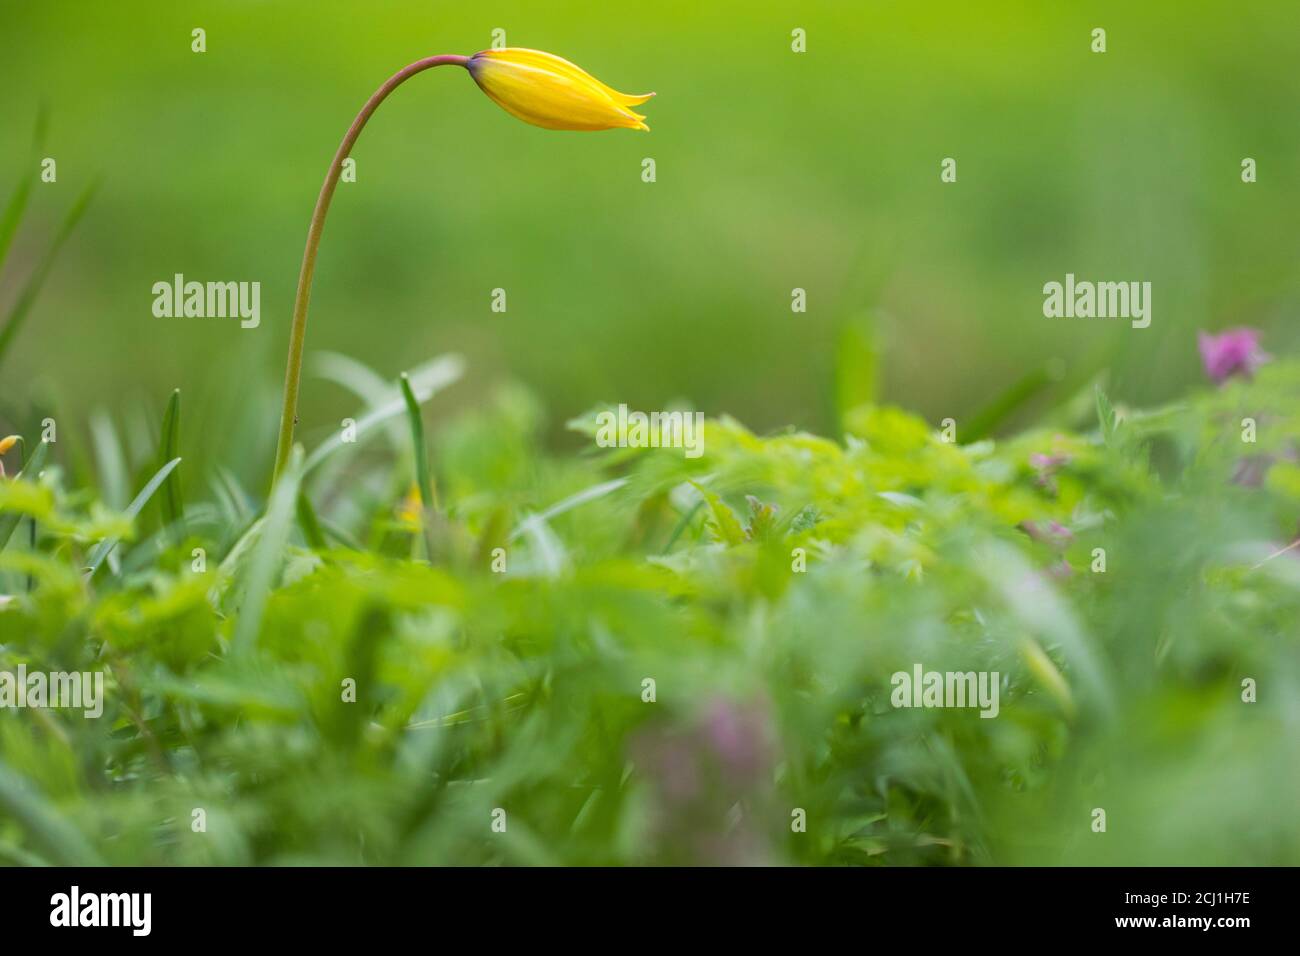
(234, 491)
(59, 840)
(267, 555)
(173, 508)
(365, 424)
(569, 503)
(342, 536)
(132, 510)
(22, 306)
(423, 479)
(17, 205)
(13, 215)
(1011, 400)
(426, 381)
(310, 524)
(431, 377)
(109, 460)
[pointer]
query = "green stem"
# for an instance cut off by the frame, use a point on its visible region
(298, 331)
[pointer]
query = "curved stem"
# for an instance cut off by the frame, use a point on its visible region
(298, 331)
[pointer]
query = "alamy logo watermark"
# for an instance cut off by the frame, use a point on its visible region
(922, 688)
(209, 300)
(57, 689)
(625, 429)
(1100, 300)
(74, 908)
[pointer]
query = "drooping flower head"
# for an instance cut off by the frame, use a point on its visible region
(1234, 352)
(548, 91)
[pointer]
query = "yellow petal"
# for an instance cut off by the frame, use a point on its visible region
(551, 92)
(557, 64)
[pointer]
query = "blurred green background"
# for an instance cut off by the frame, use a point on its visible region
(775, 170)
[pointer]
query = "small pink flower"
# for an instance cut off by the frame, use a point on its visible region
(1060, 571)
(1052, 533)
(710, 782)
(739, 736)
(1048, 463)
(1233, 352)
(1045, 467)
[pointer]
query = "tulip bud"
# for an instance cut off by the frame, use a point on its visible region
(550, 92)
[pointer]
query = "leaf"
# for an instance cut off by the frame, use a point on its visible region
(234, 499)
(17, 204)
(423, 479)
(569, 503)
(341, 536)
(173, 509)
(762, 520)
(681, 526)
(132, 510)
(109, 460)
(548, 549)
(1047, 673)
(492, 536)
(27, 297)
(48, 828)
(310, 524)
(1049, 616)
(1106, 416)
(366, 425)
(427, 379)
(725, 523)
(267, 555)
(1031, 385)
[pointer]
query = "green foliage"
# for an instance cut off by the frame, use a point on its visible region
(768, 590)
(172, 507)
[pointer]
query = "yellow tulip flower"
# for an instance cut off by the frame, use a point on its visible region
(548, 91)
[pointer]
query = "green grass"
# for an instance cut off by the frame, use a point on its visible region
(231, 631)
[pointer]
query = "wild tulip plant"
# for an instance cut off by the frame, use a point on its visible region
(637, 656)
(538, 88)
